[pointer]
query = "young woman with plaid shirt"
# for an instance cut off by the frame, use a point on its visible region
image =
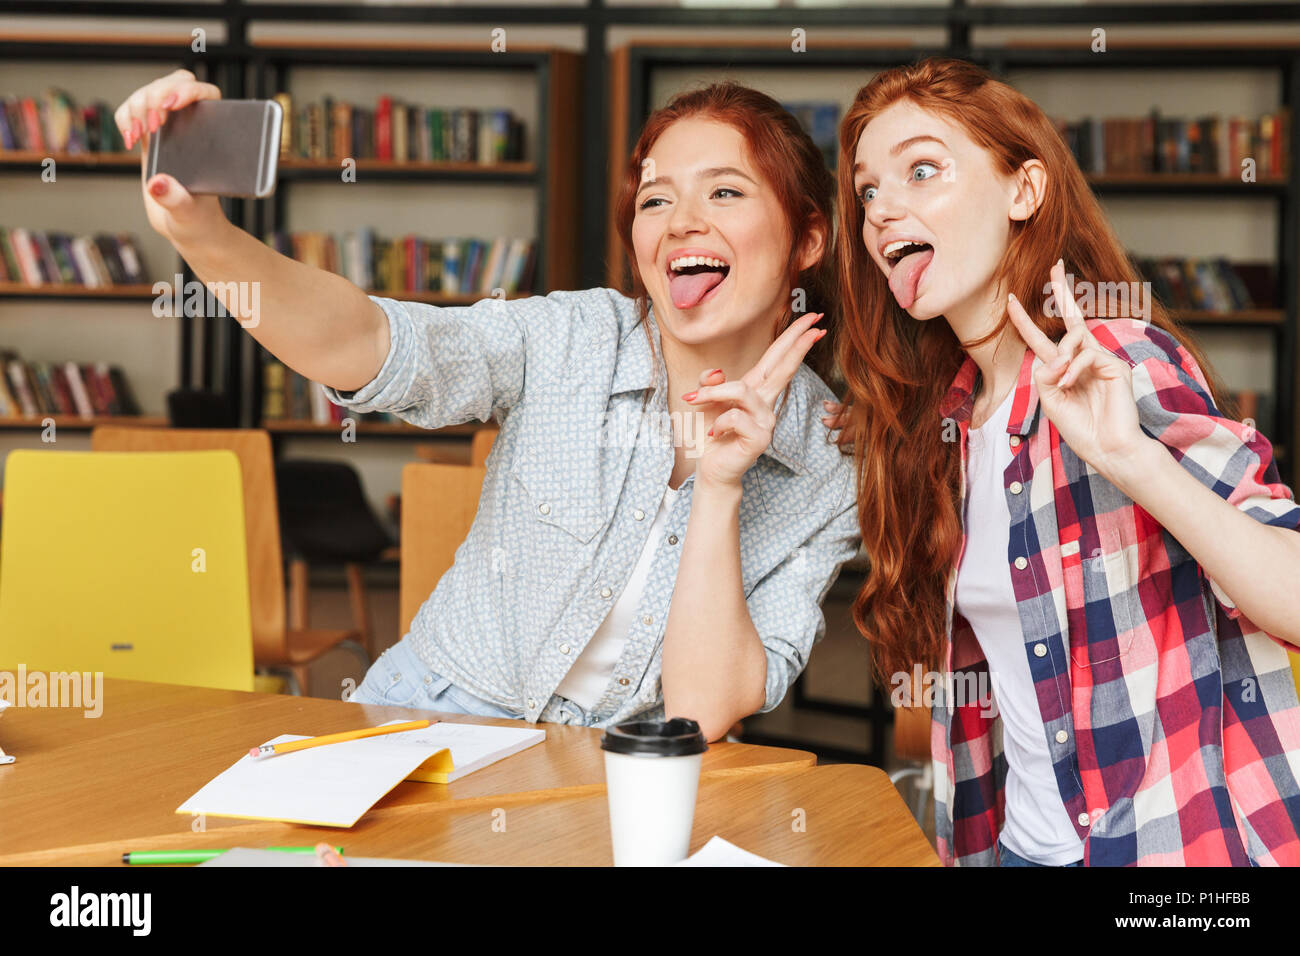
(1058, 504)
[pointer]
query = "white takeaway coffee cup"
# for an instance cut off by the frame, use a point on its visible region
(652, 773)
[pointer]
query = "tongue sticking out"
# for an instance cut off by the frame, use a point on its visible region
(907, 274)
(688, 290)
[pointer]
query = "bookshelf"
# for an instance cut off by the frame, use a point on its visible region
(110, 323)
(544, 184)
(606, 96)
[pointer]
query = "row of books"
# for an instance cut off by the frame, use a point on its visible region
(412, 264)
(1211, 284)
(288, 396)
(38, 257)
(1157, 144)
(56, 124)
(334, 129)
(35, 388)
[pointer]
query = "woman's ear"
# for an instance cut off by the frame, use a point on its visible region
(813, 245)
(1030, 182)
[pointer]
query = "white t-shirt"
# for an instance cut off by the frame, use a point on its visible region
(1036, 824)
(586, 681)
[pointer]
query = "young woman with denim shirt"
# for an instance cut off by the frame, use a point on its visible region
(662, 514)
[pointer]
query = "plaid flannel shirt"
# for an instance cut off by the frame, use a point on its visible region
(1171, 719)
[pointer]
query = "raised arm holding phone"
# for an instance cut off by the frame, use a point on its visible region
(316, 322)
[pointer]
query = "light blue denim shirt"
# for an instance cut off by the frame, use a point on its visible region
(573, 482)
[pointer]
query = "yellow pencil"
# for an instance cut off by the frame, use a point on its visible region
(268, 749)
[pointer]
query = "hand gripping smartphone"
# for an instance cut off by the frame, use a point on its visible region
(221, 147)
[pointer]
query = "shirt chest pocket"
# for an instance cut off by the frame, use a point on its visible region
(556, 514)
(1109, 577)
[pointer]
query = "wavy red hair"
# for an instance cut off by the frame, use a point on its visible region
(898, 369)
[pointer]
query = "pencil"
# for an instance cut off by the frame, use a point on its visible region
(268, 749)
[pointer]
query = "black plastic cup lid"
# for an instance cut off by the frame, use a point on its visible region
(655, 738)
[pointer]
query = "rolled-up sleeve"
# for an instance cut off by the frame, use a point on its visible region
(447, 365)
(786, 605)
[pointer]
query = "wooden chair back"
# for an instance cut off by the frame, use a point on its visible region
(439, 503)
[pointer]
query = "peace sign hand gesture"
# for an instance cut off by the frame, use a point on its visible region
(744, 430)
(1085, 389)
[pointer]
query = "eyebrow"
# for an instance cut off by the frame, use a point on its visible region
(899, 147)
(712, 173)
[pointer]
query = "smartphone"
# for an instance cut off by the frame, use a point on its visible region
(220, 147)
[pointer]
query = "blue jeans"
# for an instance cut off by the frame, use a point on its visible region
(399, 678)
(1011, 859)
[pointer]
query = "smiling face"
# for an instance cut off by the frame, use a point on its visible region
(938, 214)
(710, 237)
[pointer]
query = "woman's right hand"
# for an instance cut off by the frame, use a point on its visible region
(183, 219)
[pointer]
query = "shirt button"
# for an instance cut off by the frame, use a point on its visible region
(1083, 819)
(1040, 650)
(1062, 736)
(1016, 487)
(428, 678)
(544, 508)
(1015, 441)
(531, 703)
(638, 514)
(672, 539)
(622, 681)
(564, 648)
(647, 620)
(605, 592)
(396, 677)
(1022, 563)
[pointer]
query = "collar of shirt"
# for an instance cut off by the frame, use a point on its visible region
(637, 370)
(959, 402)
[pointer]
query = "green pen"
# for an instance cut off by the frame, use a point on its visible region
(163, 857)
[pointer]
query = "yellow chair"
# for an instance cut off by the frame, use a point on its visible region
(130, 564)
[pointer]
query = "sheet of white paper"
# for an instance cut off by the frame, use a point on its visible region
(242, 856)
(335, 784)
(328, 786)
(718, 852)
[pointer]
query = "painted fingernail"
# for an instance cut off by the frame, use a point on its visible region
(821, 333)
(715, 371)
(158, 187)
(689, 396)
(710, 432)
(153, 121)
(128, 138)
(170, 99)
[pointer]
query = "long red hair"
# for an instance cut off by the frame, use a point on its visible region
(792, 166)
(898, 369)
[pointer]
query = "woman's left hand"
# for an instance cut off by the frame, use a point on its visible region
(744, 430)
(1085, 389)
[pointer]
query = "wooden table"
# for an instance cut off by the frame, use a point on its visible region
(84, 790)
